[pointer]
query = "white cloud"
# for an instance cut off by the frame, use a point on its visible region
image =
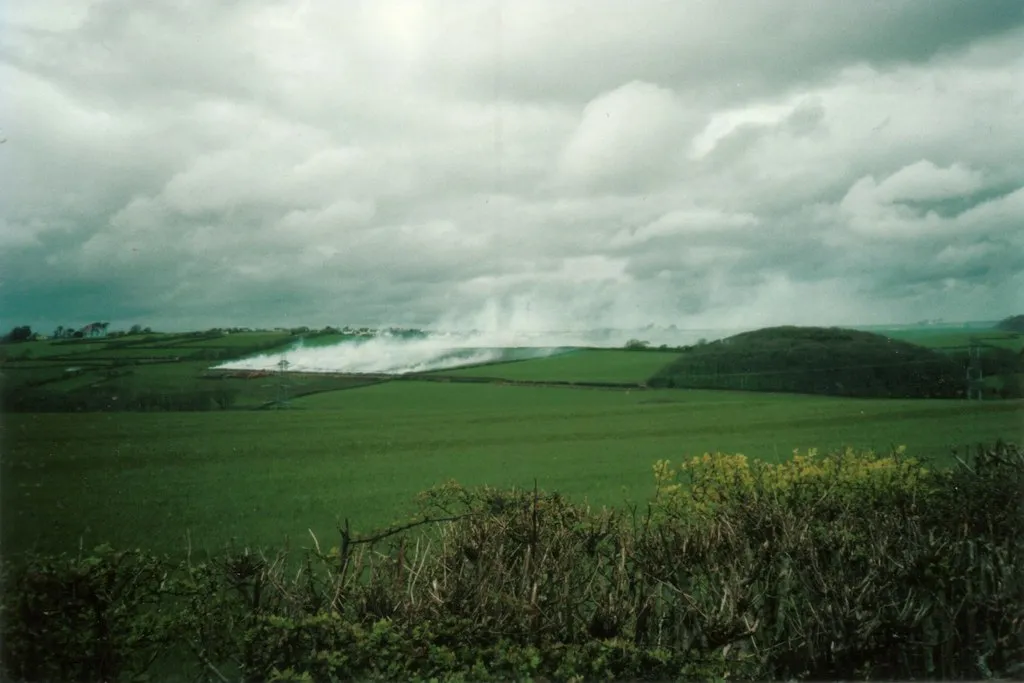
(883, 209)
(926, 181)
(671, 162)
(684, 222)
(624, 137)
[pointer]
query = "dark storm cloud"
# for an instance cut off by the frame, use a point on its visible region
(722, 51)
(600, 164)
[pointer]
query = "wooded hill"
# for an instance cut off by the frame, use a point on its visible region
(816, 360)
(1015, 323)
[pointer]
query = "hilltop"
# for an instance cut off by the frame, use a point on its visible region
(1015, 323)
(816, 360)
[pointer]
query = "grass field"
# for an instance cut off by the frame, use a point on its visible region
(588, 365)
(943, 338)
(240, 340)
(144, 479)
(31, 363)
(48, 349)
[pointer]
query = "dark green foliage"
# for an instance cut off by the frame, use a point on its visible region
(1014, 323)
(39, 400)
(18, 334)
(992, 360)
(920, 579)
(87, 617)
(815, 360)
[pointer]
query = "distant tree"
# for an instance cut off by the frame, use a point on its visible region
(135, 329)
(19, 334)
(59, 332)
(147, 330)
(636, 344)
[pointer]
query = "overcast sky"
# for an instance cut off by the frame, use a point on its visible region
(534, 163)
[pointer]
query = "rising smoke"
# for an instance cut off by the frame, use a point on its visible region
(500, 331)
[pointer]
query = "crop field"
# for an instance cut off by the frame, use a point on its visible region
(261, 477)
(611, 366)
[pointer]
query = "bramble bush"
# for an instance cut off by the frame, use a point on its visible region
(825, 566)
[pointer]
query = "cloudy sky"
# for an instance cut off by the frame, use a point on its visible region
(533, 163)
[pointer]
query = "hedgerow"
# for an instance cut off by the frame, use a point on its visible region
(826, 566)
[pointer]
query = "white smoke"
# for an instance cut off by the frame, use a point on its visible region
(389, 354)
(509, 332)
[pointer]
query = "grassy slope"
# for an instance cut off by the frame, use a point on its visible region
(50, 359)
(143, 479)
(945, 338)
(589, 365)
(240, 340)
(49, 349)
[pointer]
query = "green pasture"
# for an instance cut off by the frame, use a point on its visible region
(943, 338)
(30, 363)
(585, 365)
(49, 349)
(147, 479)
(133, 352)
(239, 340)
(27, 372)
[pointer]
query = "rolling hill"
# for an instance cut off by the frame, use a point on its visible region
(816, 360)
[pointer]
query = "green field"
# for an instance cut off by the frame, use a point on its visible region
(944, 338)
(145, 479)
(240, 340)
(588, 365)
(261, 476)
(49, 349)
(169, 363)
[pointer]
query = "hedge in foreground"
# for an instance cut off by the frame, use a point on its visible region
(827, 566)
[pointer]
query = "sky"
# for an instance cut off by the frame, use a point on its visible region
(524, 165)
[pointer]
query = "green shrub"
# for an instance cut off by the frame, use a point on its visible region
(830, 566)
(84, 617)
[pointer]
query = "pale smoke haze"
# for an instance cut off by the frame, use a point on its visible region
(387, 354)
(510, 328)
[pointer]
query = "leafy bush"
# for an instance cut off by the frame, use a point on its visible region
(83, 618)
(826, 566)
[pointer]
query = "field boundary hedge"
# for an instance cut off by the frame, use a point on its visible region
(826, 566)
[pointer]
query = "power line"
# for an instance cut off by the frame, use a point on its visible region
(282, 389)
(975, 376)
